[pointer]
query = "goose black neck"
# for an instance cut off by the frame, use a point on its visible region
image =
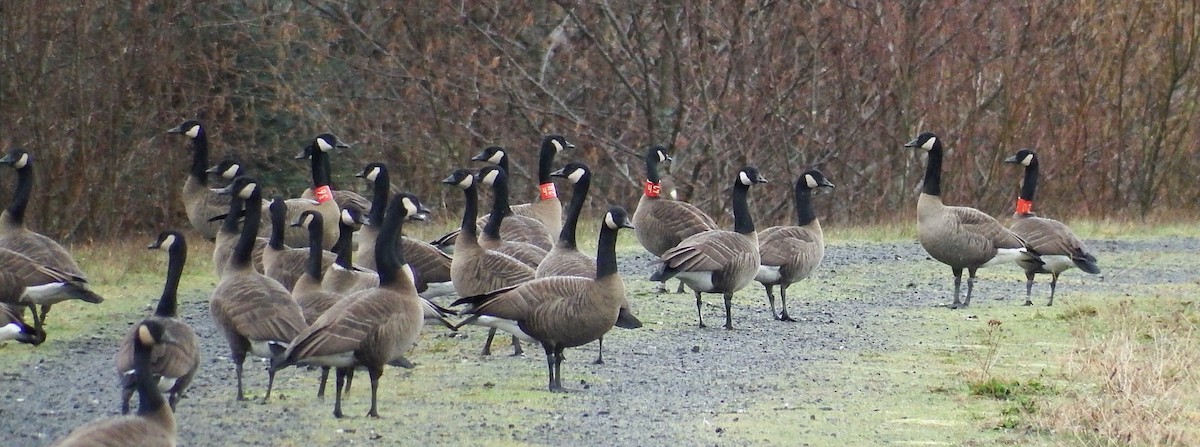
(316, 232)
(652, 168)
(742, 221)
(199, 170)
(343, 248)
(168, 305)
(606, 252)
(379, 197)
(278, 226)
(500, 208)
(150, 399)
(245, 242)
(545, 162)
(20, 200)
(1029, 186)
(804, 210)
(933, 172)
(470, 212)
(320, 167)
(389, 255)
(566, 236)
(230, 224)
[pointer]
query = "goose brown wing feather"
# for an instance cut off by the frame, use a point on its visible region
(121, 431)
(662, 224)
(780, 246)
(1049, 236)
(709, 251)
(42, 250)
(258, 309)
(564, 262)
(177, 355)
(432, 264)
(344, 326)
(986, 227)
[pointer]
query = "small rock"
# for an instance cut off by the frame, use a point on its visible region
(696, 348)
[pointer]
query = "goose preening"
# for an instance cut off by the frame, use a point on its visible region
(319, 195)
(662, 222)
(14, 328)
(565, 259)
(15, 236)
(252, 311)
(718, 261)
(475, 270)
(528, 242)
(562, 312)
(371, 328)
(958, 236)
(790, 253)
(431, 264)
(154, 423)
(1059, 247)
(199, 202)
(176, 356)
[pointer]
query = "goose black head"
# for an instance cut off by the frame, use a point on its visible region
(16, 157)
(573, 171)
(491, 154)
(813, 179)
(749, 175)
(657, 154)
(617, 218)
(926, 140)
(166, 240)
(412, 208)
(461, 178)
(243, 186)
(371, 171)
(191, 128)
(306, 218)
(227, 169)
(1024, 157)
(558, 142)
(492, 174)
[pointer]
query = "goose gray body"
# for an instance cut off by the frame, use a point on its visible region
(790, 253)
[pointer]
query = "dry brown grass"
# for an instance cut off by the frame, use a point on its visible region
(1134, 382)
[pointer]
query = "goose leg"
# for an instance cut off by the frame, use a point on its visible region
(375, 373)
(487, 345)
(517, 350)
(238, 359)
(45, 310)
(1053, 285)
(126, 394)
(558, 359)
(338, 381)
(173, 400)
(783, 301)
(771, 300)
(324, 379)
(699, 314)
(728, 311)
(1028, 288)
(957, 287)
(970, 286)
(550, 366)
(37, 322)
(349, 380)
(270, 381)
(680, 288)
(600, 354)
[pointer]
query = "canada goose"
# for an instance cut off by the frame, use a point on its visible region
(663, 222)
(547, 209)
(227, 169)
(431, 264)
(13, 326)
(15, 236)
(280, 262)
(154, 423)
(1058, 246)
(309, 291)
(344, 276)
(563, 311)
(565, 259)
(25, 282)
(227, 237)
(251, 310)
(176, 356)
(319, 196)
(790, 253)
(475, 270)
(525, 236)
(199, 202)
(959, 236)
(373, 327)
(718, 261)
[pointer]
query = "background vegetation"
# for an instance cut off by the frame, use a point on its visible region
(1107, 91)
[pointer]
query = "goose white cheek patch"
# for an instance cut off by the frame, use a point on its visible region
(558, 147)
(499, 155)
(576, 175)
(490, 178)
(745, 179)
(609, 221)
(324, 145)
(929, 144)
(1028, 160)
(812, 182)
(168, 242)
(373, 174)
(193, 132)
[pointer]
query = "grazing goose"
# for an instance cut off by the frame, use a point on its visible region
(176, 356)
(280, 262)
(13, 326)
(790, 253)
(431, 264)
(252, 311)
(718, 261)
(476, 270)
(373, 327)
(527, 232)
(344, 276)
(564, 311)
(154, 423)
(227, 237)
(663, 222)
(319, 196)
(960, 237)
(199, 202)
(565, 259)
(15, 236)
(1058, 246)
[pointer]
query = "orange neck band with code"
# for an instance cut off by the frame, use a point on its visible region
(652, 189)
(323, 193)
(1024, 206)
(547, 190)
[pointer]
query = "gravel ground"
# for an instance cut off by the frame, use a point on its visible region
(655, 377)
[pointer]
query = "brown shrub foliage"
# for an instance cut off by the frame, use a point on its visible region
(1107, 92)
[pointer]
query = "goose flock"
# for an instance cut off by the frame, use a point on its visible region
(294, 289)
